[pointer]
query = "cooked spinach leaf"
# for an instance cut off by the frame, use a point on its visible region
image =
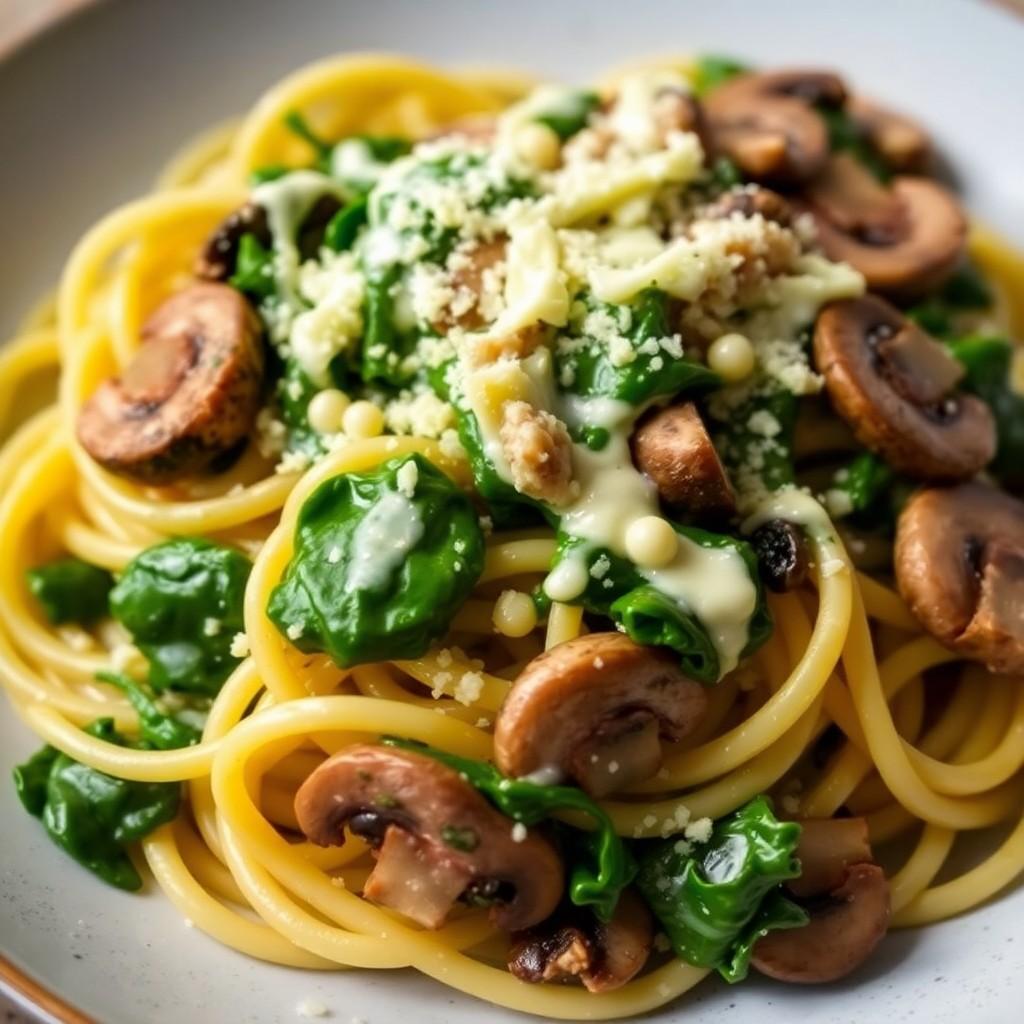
(716, 902)
(158, 729)
(182, 602)
(570, 115)
(70, 590)
(383, 560)
(93, 816)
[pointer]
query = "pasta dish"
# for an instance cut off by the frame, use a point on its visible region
(562, 540)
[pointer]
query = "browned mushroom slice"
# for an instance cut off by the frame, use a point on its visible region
(828, 848)
(749, 201)
(781, 554)
(575, 944)
(905, 238)
(468, 283)
(593, 708)
(767, 124)
(900, 142)
(840, 936)
(191, 393)
(674, 449)
(849, 906)
(216, 261)
(436, 838)
(959, 560)
(894, 386)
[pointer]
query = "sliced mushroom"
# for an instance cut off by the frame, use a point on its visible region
(767, 123)
(900, 142)
(436, 838)
(849, 906)
(959, 560)
(593, 708)
(905, 238)
(468, 283)
(828, 848)
(840, 936)
(749, 201)
(216, 261)
(895, 387)
(781, 554)
(190, 395)
(576, 944)
(674, 449)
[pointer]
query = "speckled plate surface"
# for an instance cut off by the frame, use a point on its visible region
(89, 112)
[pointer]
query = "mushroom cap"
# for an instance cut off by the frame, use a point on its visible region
(893, 385)
(592, 708)
(575, 943)
(674, 449)
(902, 143)
(959, 559)
(766, 122)
(905, 239)
(217, 259)
(839, 937)
(437, 831)
(828, 848)
(748, 201)
(190, 394)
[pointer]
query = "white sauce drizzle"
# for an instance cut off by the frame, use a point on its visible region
(383, 540)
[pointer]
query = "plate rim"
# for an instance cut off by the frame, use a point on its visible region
(33, 994)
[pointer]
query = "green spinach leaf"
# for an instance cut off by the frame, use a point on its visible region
(570, 115)
(383, 560)
(710, 903)
(157, 729)
(988, 362)
(254, 268)
(603, 867)
(617, 590)
(713, 70)
(651, 372)
(757, 438)
(70, 590)
(182, 602)
(93, 816)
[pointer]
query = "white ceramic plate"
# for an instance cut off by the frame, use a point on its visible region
(87, 115)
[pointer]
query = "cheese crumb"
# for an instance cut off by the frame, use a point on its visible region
(518, 832)
(469, 688)
(699, 831)
(295, 630)
(240, 646)
(310, 1008)
(212, 627)
(407, 477)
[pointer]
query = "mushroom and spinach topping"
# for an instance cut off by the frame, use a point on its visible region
(600, 865)
(437, 840)
(529, 295)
